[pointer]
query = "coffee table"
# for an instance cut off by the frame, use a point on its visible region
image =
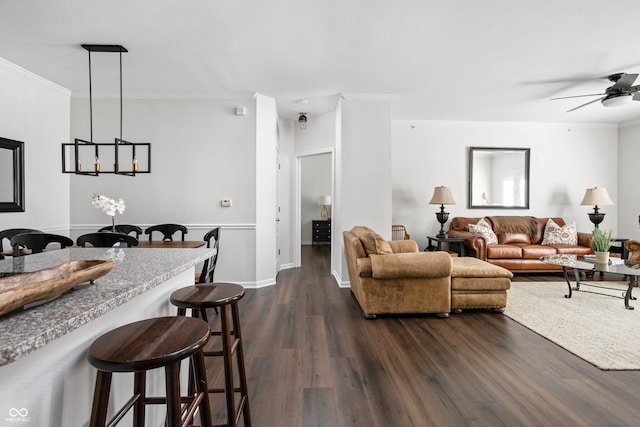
(629, 269)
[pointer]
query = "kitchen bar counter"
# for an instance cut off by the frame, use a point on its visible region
(43, 367)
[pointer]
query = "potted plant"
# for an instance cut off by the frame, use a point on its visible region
(601, 244)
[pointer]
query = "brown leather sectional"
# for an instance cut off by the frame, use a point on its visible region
(517, 251)
(394, 277)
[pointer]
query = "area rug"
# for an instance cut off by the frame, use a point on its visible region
(595, 327)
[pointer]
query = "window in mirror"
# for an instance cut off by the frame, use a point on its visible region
(498, 178)
(11, 175)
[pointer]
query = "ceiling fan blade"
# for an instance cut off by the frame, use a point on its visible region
(577, 96)
(584, 105)
(625, 81)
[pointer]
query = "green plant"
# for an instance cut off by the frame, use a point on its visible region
(601, 240)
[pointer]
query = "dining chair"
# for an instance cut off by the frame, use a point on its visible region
(106, 239)
(167, 230)
(209, 266)
(124, 228)
(36, 242)
(8, 234)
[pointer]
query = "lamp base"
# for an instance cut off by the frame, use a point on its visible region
(324, 213)
(442, 218)
(441, 234)
(596, 218)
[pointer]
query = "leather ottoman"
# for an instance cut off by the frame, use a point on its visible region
(478, 284)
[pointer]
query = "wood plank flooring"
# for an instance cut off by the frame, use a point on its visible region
(313, 360)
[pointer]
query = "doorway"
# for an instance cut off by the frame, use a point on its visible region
(314, 182)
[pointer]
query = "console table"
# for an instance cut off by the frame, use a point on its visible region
(321, 231)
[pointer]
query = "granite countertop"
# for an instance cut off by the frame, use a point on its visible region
(136, 270)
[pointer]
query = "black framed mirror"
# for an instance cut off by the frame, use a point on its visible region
(11, 175)
(498, 178)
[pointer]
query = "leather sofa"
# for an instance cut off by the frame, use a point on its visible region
(394, 277)
(517, 251)
(402, 280)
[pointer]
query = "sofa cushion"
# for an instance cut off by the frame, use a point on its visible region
(504, 251)
(514, 239)
(373, 242)
(411, 265)
(399, 246)
(476, 268)
(484, 229)
(557, 235)
(536, 251)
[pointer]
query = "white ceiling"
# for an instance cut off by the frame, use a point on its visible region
(495, 60)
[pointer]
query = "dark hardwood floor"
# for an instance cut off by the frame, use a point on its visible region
(313, 360)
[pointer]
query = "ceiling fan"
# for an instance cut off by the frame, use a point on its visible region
(621, 92)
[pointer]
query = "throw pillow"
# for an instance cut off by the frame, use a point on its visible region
(556, 235)
(373, 242)
(484, 229)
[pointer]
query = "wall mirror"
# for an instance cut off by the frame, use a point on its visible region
(498, 178)
(11, 175)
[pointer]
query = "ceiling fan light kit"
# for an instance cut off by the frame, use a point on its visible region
(617, 100)
(620, 93)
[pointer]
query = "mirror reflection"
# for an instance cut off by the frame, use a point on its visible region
(498, 178)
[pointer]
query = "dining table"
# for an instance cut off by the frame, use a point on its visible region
(174, 244)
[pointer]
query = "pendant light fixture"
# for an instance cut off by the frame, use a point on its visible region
(117, 152)
(302, 120)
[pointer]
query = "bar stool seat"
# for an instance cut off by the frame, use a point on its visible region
(225, 297)
(149, 344)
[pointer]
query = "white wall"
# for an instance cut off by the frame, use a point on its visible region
(628, 202)
(266, 186)
(36, 112)
(201, 152)
(565, 161)
(363, 172)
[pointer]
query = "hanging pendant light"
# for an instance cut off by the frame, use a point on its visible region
(302, 120)
(131, 167)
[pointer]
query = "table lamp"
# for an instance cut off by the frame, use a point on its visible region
(442, 196)
(597, 197)
(324, 201)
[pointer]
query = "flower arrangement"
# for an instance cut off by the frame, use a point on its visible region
(109, 206)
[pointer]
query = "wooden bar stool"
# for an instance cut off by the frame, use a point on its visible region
(224, 296)
(150, 344)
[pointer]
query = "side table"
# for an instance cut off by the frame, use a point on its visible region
(321, 231)
(618, 247)
(455, 243)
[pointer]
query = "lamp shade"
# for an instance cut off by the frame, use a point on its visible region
(324, 201)
(442, 196)
(596, 197)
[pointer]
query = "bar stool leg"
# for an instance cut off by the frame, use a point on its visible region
(200, 373)
(228, 363)
(100, 399)
(244, 392)
(140, 389)
(172, 375)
